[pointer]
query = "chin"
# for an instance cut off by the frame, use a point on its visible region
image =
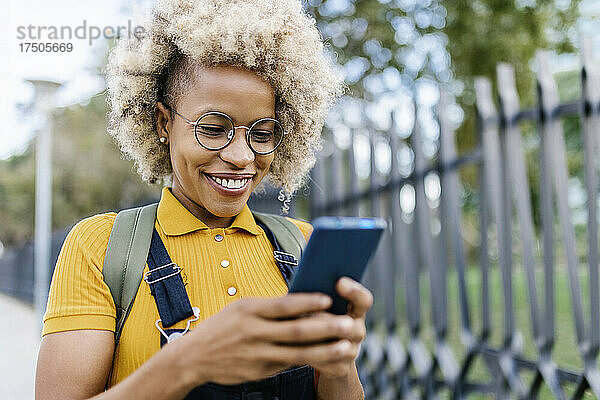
(227, 212)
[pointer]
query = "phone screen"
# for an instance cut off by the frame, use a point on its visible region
(338, 246)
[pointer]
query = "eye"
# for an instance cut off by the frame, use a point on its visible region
(211, 130)
(262, 136)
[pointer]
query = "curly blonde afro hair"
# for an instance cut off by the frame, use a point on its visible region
(274, 38)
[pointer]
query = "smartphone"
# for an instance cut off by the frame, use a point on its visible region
(338, 246)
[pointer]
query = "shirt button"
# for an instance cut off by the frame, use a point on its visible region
(218, 238)
(231, 291)
(225, 263)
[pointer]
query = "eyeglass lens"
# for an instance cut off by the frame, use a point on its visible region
(215, 131)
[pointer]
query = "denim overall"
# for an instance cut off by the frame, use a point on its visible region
(172, 301)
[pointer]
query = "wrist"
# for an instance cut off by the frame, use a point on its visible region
(335, 378)
(347, 386)
(192, 371)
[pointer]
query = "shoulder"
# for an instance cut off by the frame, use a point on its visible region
(91, 228)
(305, 227)
(90, 235)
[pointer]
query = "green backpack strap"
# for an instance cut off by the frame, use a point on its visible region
(126, 256)
(288, 235)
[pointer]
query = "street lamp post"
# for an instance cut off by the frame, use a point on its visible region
(43, 102)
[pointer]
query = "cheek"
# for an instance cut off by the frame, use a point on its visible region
(187, 157)
(264, 163)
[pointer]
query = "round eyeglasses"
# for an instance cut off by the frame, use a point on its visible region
(214, 130)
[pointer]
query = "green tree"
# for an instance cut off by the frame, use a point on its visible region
(371, 36)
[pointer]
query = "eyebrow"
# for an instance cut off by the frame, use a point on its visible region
(199, 112)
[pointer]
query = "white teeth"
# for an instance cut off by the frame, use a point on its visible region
(230, 183)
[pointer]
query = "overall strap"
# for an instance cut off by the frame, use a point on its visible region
(125, 258)
(166, 284)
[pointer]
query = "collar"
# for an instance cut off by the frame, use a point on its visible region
(175, 219)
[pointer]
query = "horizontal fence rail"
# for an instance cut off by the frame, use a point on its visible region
(411, 349)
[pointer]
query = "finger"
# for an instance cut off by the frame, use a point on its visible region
(360, 298)
(291, 305)
(314, 328)
(340, 350)
(358, 331)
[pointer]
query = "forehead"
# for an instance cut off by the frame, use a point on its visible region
(238, 92)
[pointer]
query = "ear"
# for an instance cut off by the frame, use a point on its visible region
(163, 120)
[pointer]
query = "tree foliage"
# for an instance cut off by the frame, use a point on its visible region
(477, 35)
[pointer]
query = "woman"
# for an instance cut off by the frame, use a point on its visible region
(215, 98)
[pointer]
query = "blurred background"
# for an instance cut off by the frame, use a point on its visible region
(411, 66)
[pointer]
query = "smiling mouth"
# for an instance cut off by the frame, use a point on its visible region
(230, 184)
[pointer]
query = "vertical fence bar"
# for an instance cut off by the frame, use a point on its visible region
(547, 220)
(398, 359)
(425, 242)
(336, 181)
(375, 277)
(377, 268)
(556, 147)
(545, 339)
(451, 210)
(353, 189)
(492, 175)
(423, 223)
(589, 112)
(510, 108)
(490, 182)
(518, 179)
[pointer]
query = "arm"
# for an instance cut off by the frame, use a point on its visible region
(76, 364)
(247, 340)
(331, 387)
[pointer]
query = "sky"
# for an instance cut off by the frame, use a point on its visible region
(74, 69)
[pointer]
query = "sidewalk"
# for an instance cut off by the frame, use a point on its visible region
(19, 344)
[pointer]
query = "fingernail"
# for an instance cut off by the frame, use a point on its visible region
(324, 301)
(347, 282)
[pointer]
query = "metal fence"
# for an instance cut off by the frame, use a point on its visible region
(414, 351)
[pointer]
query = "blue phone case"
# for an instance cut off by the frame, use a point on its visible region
(338, 246)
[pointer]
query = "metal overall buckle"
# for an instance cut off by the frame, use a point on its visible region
(176, 335)
(176, 270)
(285, 258)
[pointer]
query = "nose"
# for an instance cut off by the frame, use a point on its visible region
(238, 152)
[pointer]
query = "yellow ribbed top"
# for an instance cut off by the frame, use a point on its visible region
(79, 298)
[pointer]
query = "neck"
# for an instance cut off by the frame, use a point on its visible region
(211, 220)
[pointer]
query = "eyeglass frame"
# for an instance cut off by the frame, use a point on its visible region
(233, 129)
